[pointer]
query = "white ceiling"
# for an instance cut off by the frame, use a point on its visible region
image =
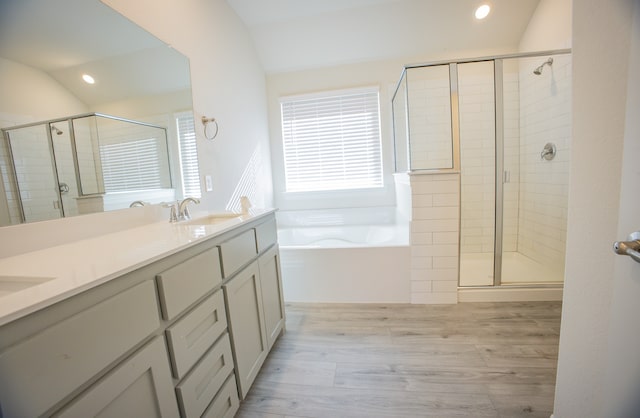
(66, 38)
(301, 34)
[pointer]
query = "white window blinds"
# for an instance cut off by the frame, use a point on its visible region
(188, 155)
(332, 141)
(131, 165)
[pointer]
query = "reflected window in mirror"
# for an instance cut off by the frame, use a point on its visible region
(188, 154)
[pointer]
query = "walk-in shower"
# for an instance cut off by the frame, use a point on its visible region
(81, 164)
(503, 123)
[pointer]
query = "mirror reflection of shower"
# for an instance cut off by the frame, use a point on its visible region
(55, 130)
(538, 70)
(99, 162)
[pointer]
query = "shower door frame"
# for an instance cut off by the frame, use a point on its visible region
(499, 150)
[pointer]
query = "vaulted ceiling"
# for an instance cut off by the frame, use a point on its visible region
(297, 34)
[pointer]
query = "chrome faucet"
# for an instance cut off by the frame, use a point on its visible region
(183, 210)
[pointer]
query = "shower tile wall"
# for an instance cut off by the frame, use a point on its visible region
(545, 117)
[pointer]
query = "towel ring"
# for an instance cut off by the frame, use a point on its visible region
(205, 123)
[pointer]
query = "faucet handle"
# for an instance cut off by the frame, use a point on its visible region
(173, 214)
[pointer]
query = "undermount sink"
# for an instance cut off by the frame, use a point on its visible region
(12, 284)
(213, 219)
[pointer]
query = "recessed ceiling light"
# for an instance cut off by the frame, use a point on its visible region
(88, 79)
(482, 11)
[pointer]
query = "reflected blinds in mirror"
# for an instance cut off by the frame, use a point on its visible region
(131, 165)
(188, 154)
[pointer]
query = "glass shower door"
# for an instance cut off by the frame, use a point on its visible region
(35, 173)
(537, 109)
(477, 173)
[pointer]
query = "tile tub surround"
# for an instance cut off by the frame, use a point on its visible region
(86, 263)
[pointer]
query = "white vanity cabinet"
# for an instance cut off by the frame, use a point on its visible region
(254, 301)
(182, 336)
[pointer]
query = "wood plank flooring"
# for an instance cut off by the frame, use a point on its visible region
(465, 360)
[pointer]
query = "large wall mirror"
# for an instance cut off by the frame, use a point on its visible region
(69, 147)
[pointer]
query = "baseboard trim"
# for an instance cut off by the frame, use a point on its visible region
(509, 295)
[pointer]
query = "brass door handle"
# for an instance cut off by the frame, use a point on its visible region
(630, 247)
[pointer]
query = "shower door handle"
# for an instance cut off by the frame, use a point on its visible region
(630, 248)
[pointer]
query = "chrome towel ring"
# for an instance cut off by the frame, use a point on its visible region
(205, 123)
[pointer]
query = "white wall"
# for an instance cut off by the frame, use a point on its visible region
(31, 95)
(228, 83)
(601, 38)
(549, 27)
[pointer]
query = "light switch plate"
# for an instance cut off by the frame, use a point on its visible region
(208, 183)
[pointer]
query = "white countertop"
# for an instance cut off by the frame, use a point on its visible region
(77, 266)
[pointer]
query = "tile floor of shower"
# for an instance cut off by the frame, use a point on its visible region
(476, 269)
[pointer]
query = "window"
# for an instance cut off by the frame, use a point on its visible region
(188, 155)
(331, 141)
(120, 160)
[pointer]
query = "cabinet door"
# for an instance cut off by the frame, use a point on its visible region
(139, 387)
(246, 324)
(272, 300)
(44, 369)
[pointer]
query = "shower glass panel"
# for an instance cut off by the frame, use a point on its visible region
(477, 173)
(35, 173)
(400, 129)
(132, 156)
(429, 113)
(537, 97)
(89, 167)
(63, 153)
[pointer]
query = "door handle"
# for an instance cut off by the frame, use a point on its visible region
(630, 247)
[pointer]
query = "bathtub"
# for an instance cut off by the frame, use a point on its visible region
(344, 256)
(344, 236)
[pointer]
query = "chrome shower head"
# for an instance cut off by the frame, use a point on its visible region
(538, 70)
(56, 130)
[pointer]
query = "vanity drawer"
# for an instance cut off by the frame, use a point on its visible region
(181, 285)
(197, 390)
(191, 336)
(52, 364)
(266, 235)
(226, 402)
(237, 252)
